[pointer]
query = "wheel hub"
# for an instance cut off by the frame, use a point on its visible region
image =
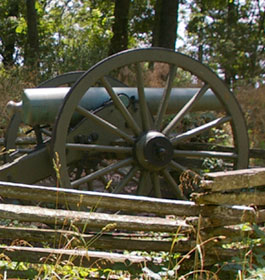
(154, 150)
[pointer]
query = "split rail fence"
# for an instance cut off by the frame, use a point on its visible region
(93, 229)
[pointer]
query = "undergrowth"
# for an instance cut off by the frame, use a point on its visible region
(12, 83)
(248, 265)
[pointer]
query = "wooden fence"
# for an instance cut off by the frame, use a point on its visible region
(94, 229)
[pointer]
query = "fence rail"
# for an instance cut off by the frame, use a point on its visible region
(91, 228)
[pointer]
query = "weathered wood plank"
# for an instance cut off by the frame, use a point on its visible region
(95, 259)
(88, 221)
(116, 202)
(92, 259)
(234, 215)
(261, 216)
(230, 233)
(129, 203)
(236, 179)
(242, 198)
(116, 241)
(79, 257)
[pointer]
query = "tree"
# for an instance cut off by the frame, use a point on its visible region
(135, 23)
(9, 13)
(32, 47)
(231, 33)
(119, 41)
(73, 35)
(165, 23)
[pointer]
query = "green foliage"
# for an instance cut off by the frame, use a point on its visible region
(142, 21)
(74, 35)
(9, 21)
(231, 36)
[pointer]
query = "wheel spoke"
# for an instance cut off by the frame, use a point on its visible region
(119, 171)
(198, 146)
(46, 132)
(103, 123)
(174, 186)
(128, 177)
(165, 99)
(99, 148)
(145, 114)
(156, 183)
(200, 129)
(177, 166)
(121, 107)
(185, 110)
(145, 184)
(102, 172)
(205, 154)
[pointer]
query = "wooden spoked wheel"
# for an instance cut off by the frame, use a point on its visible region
(142, 143)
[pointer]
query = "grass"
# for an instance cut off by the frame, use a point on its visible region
(239, 268)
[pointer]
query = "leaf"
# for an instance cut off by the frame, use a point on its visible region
(19, 29)
(259, 232)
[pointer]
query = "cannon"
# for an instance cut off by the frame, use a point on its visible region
(120, 127)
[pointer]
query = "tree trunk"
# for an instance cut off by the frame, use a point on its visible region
(32, 48)
(119, 41)
(232, 17)
(8, 35)
(165, 26)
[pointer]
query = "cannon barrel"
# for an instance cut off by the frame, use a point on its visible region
(40, 105)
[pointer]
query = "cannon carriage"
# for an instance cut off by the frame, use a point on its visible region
(113, 127)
